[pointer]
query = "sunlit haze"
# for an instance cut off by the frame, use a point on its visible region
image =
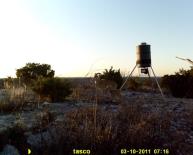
(78, 36)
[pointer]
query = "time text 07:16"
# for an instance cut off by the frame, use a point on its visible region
(145, 151)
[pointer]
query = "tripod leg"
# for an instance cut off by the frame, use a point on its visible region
(150, 78)
(158, 83)
(128, 77)
(148, 73)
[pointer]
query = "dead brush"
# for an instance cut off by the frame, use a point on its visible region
(44, 119)
(104, 90)
(15, 99)
(15, 136)
(189, 117)
(129, 127)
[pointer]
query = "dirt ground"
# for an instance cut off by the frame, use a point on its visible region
(182, 110)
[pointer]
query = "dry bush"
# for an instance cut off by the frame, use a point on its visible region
(56, 89)
(15, 136)
(179, 84)
(133, 84)
(44, 119)
(15, 99)
(104, 91)
(106, 132)
(83, 94)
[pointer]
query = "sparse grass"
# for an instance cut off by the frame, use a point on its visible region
(15, 99)
(99, 129)
(44, 119)
(130, 127)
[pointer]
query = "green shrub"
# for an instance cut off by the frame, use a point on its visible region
(111, 74)
(54, 88)
(180, 84)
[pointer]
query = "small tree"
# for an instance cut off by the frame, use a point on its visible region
(33, 71)
(111, 74)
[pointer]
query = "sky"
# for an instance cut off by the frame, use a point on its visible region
(77, 37)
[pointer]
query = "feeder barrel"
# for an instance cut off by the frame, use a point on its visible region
(143, 55)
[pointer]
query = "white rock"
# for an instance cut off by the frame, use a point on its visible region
(45, 104)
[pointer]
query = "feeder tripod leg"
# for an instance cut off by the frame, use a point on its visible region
(150, 77)
(128, 77)
(158, 84)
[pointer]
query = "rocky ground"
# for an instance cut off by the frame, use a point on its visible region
(181, 109)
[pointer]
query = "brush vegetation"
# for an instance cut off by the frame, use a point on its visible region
(96, 127)
(180, 84)
(111, 74)
(102, 131)
(56, 89)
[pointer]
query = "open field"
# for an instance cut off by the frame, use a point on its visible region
(98, 121)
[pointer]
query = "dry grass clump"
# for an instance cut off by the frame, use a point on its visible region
(15, 99)
(130, 127)
(44, 119)
(112, 96)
